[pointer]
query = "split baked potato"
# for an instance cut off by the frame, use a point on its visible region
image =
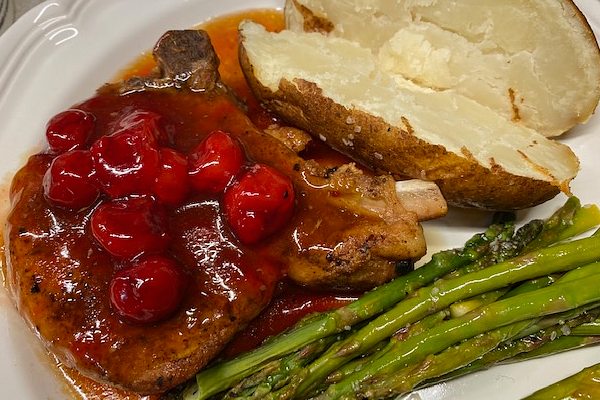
(337, 90)
(536, 62)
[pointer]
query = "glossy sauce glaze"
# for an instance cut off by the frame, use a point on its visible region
(223, 274)
(290, 302)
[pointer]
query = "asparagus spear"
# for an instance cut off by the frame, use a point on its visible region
(556, 298)
(463, 307)
(522, 345)
(277, 371)
(537, 283)
(222, 376)
(550, 279)
(546, 348)
(589, 329)
(445, 292)
(414, 329)
(539, 343)
(455, 310)
(274, 375)
(583, 385)
(433, 366)
(504, 246)
(453, 362)
(568, 221)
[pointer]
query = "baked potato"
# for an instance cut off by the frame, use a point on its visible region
(335, 89)
(534, 62)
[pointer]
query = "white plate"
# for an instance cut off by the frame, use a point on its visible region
(61, 51)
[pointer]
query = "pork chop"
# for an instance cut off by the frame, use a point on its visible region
(349, 230)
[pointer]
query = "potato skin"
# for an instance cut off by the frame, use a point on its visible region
(463, 181)
(310, 21)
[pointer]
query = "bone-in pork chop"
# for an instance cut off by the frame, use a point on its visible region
(347, 230)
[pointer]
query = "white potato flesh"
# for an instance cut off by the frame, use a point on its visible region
(350, 75)
(535, 62)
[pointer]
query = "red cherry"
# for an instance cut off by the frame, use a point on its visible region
(69, 130)
(148, 124)
(214, 162)
(126, 163)
(69, 182)
(149, 291)
(172, 183)
(259, 203)
(129, 227)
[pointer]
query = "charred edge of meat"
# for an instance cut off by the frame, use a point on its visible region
(185, 58)
(293, 138)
